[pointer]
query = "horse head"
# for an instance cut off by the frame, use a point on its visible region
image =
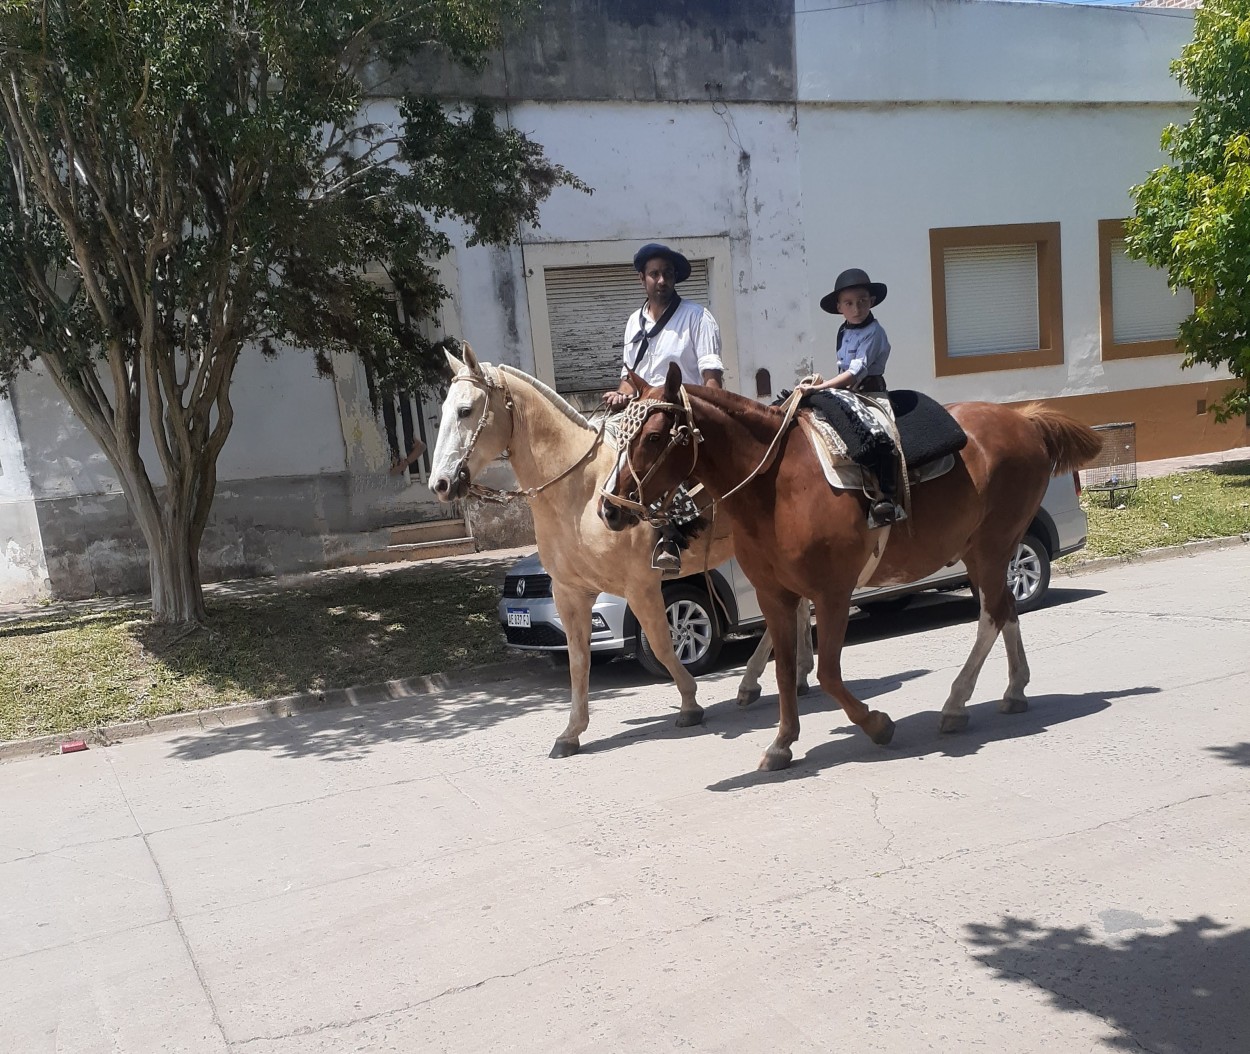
(658, 451)
(475, 426)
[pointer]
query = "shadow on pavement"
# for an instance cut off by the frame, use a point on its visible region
(917, 735)
(1236, 754)
(1183, 991)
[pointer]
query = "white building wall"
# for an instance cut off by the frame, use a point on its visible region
(23, 570)
(956, 166)
(917, 114)
(981, 51)
(286, 423)
(661, 172)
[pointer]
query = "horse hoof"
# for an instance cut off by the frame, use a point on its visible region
(953, 723)
(800, 688)
(1013, 706)
(746, 696)
(775, 759)
(885, 730)
(690, 718)
(564, 748)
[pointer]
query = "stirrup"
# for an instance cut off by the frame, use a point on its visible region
(884, 513)
(666, 557)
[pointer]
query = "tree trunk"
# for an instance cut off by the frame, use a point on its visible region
(174, 566)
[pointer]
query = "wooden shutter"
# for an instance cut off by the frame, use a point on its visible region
(1142, 305)
(991, 299)
(587, 308)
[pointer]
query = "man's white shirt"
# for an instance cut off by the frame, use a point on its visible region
(691, 338)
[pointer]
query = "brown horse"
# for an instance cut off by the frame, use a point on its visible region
(795, 536)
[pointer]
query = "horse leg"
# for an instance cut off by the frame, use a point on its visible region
(652, 614)
(575, 608)
(832, 615)
(806, 661)
(1014, 701)
(778, 611)
(749, 689)
(998, 611)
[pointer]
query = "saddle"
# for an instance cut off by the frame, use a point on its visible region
(928, 435)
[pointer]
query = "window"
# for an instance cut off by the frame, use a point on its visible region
(587, 308)
(996, 297)
(1140, 313)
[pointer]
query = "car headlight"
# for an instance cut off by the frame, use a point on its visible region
(597, 621)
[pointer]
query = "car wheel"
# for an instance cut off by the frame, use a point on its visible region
(1028, 574)
(696, 630)
(892, 606)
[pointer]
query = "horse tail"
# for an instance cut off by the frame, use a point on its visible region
(1069, 444)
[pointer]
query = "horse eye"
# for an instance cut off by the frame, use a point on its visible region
(653, 437)
(464, 412)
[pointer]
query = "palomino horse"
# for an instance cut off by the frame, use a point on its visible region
(795, 536)
(560, 464)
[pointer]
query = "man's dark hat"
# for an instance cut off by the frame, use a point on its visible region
(681, 266)
(849, 279)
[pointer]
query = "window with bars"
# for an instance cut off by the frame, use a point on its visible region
(587, 308)
(996, 297)
(1140, 313)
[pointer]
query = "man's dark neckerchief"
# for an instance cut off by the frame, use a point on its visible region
(852, 325)
(660, 323)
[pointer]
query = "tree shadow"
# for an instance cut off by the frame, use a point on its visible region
(1234, 468)
(1235, 754)
(1179, 992)
(917, 735)
(345, 733)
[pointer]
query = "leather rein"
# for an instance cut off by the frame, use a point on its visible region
(683, 433)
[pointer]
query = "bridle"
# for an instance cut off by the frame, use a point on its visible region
(684, 433)
(500, 495)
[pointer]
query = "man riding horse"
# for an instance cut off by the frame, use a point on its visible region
(667, 329)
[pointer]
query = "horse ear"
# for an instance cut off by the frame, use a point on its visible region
(672, 383)
(454, 363)
(470, 359)
(639, 384)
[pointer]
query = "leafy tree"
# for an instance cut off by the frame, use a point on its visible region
(184, 180)
(1193, 216)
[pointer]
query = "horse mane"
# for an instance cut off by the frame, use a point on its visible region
(1069, 444)
(550, 394)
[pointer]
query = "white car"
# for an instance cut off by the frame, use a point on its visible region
(530, 620)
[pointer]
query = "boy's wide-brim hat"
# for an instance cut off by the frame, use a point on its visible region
(850, 279)
(681, 266)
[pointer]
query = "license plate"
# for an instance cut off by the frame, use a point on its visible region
(519, 617)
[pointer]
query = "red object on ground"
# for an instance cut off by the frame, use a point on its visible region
(73, 746)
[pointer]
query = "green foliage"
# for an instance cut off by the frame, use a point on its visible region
(181, 178)
(1193, 216)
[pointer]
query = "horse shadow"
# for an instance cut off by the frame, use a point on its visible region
(917, 735)
(728, 720)
(1187, 989)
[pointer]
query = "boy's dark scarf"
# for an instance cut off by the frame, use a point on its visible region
(660, 323)
(852, 325)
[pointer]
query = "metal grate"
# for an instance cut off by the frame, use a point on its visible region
(526, 587)
(1115, 468)
(536, 636)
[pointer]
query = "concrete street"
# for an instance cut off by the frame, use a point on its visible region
(419, 876)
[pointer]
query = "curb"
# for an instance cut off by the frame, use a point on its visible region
(1166, 552)
(431, 684)
(283, 706)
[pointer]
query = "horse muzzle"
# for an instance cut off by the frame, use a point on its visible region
(614, 517)
(448, 488)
